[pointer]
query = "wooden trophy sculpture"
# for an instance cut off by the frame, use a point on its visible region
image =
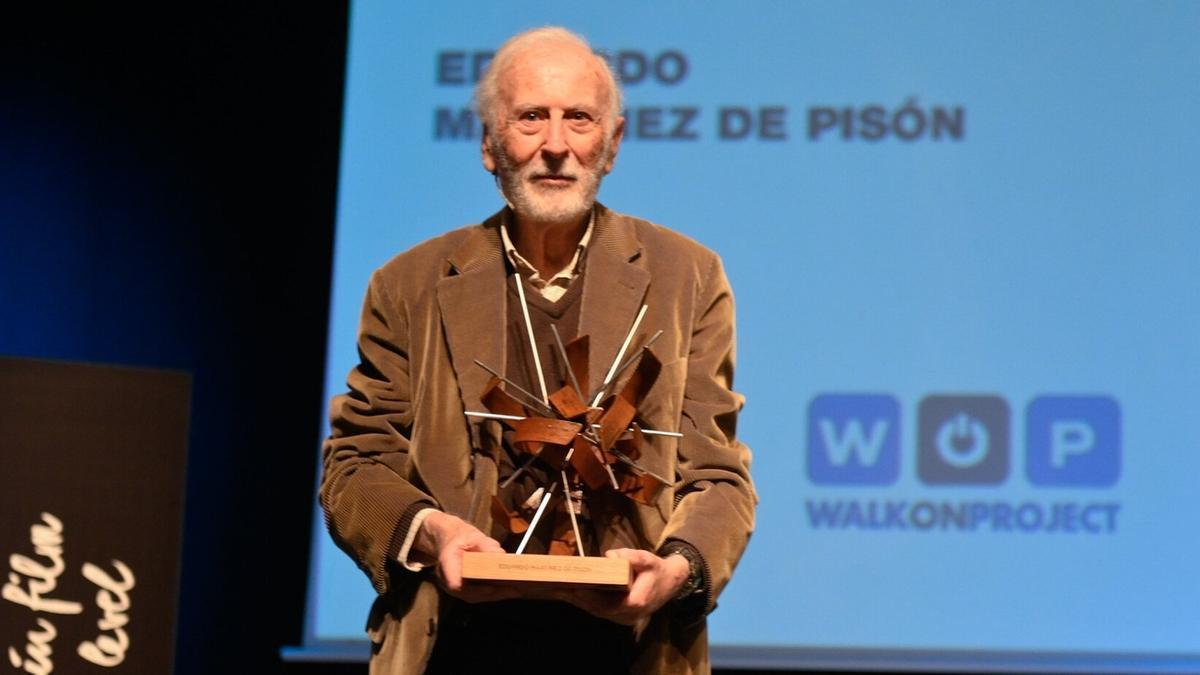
(584, 450)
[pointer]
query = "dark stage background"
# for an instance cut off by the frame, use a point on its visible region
(167, 191)
(167, 187)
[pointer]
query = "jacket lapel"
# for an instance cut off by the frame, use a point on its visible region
(614, 286)
(471, 300)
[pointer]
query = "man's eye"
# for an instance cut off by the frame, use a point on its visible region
(529, 116)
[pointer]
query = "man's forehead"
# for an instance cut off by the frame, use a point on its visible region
(561, 65)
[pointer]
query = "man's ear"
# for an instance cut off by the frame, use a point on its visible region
(485, 149)
(618, 134)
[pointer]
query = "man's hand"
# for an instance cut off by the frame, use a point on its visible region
(656, 580)
(445, 538)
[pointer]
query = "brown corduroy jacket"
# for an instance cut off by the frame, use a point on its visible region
(400, 436)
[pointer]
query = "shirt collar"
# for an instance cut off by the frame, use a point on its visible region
(564, 276)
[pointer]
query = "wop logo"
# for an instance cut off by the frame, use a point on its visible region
(964, 440)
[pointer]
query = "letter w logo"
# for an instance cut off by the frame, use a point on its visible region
(866, 449)
(854, 439)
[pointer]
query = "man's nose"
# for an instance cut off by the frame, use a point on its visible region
(556, 138)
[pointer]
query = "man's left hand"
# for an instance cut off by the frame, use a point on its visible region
(655, 581)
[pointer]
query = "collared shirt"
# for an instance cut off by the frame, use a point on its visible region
(553, 288)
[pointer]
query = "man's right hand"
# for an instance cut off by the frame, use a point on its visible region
(444, 538)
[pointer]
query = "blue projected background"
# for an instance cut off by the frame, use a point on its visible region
(965, 245)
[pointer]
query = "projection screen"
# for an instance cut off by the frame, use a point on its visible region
(964, 239)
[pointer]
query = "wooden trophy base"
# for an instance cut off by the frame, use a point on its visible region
(563, 571)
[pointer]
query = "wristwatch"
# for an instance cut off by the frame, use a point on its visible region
(694, 584)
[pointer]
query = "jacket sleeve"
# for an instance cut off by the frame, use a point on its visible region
(365, 491)
(715, 497)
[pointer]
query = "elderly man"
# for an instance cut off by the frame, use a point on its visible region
(409, 479)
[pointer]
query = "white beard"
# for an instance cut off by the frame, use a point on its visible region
(549, 204)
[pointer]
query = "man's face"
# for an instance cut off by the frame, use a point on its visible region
(552, 144)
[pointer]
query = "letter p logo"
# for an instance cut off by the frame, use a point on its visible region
(1070, 437)
(854, 439)
(1073, 441)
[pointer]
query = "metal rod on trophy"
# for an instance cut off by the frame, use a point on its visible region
(566, 362)
(532, 397)
(620, 355)
(537, 361)
(571, 511)
(633, 359)
(517, 418)
(626, 459)
(536, 517)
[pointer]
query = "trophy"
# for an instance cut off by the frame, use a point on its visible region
(586, 443)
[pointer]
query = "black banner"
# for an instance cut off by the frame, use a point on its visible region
(91, 496)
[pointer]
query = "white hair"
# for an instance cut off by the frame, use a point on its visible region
(488, 88)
